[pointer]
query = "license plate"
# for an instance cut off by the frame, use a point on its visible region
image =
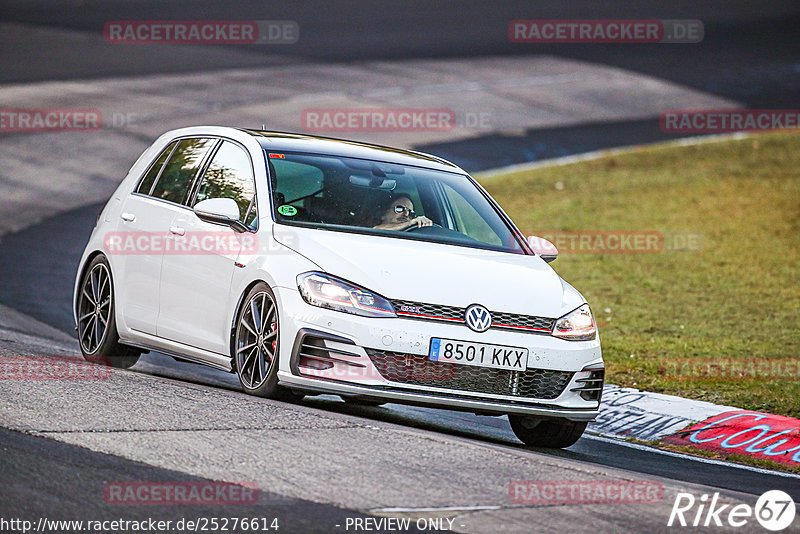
(478, 354)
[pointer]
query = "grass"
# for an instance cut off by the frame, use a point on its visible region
(737, 299)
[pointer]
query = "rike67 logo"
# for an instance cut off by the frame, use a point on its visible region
(774, 510)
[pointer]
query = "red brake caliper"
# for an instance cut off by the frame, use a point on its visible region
(275, 342)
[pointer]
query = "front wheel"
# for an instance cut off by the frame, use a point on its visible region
(97, 327)
(546, 433)
(257, 345)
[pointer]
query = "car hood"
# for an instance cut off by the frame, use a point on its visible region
(434, 273)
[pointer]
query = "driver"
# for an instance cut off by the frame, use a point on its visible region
(397, 213)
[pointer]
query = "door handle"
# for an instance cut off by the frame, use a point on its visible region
(177, 230)
(130, 217)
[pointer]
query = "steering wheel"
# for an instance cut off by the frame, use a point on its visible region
(415, 227)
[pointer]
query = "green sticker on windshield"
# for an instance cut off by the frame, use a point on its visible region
(287, 210)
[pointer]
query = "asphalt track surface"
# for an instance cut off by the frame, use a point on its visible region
(751, 53)
(61, 481)
(750, 50)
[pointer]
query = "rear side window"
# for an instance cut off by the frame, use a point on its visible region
(229, 175)
(180, 170)
(149, 179)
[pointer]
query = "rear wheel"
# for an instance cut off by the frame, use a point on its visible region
(546, 433)
(97, 327)
(257, 345)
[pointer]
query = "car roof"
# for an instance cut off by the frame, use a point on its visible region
(296, 142)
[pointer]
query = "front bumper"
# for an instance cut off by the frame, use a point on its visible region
(350, 344)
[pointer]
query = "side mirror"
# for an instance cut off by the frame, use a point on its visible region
(220, 211)
(543, 248)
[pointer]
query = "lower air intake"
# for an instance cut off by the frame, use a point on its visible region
(420, 371)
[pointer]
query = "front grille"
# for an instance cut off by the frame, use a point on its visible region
(524, 322)
(452, 314)
(420, 371)
(421, 310)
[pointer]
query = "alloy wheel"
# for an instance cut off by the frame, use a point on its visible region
(257, 340)
(94, 308)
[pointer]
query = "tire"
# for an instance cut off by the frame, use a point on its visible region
(256, 345)
(546, 433)
(97, 326)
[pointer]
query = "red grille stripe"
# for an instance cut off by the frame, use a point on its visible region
(430, 316)
(499, 325)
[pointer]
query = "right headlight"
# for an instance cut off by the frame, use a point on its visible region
(326, 291)
(577, 325)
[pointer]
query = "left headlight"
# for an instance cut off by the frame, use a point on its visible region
(577, 325)
(326, 291)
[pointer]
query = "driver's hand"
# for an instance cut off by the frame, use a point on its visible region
(422, 221)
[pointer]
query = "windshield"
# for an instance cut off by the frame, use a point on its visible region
(378, 198)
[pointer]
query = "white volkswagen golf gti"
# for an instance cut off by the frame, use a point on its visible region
(309, 265)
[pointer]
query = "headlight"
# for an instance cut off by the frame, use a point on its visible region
(326, 291)
(577, 325)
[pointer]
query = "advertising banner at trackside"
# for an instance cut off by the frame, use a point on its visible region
(761, 435)
(631, 413)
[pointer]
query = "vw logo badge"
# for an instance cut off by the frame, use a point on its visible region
(478, 318)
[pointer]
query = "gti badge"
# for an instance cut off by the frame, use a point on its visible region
(478, 318)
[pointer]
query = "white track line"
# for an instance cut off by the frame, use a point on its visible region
(700, 459)
(440, 509)
(588, 156)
